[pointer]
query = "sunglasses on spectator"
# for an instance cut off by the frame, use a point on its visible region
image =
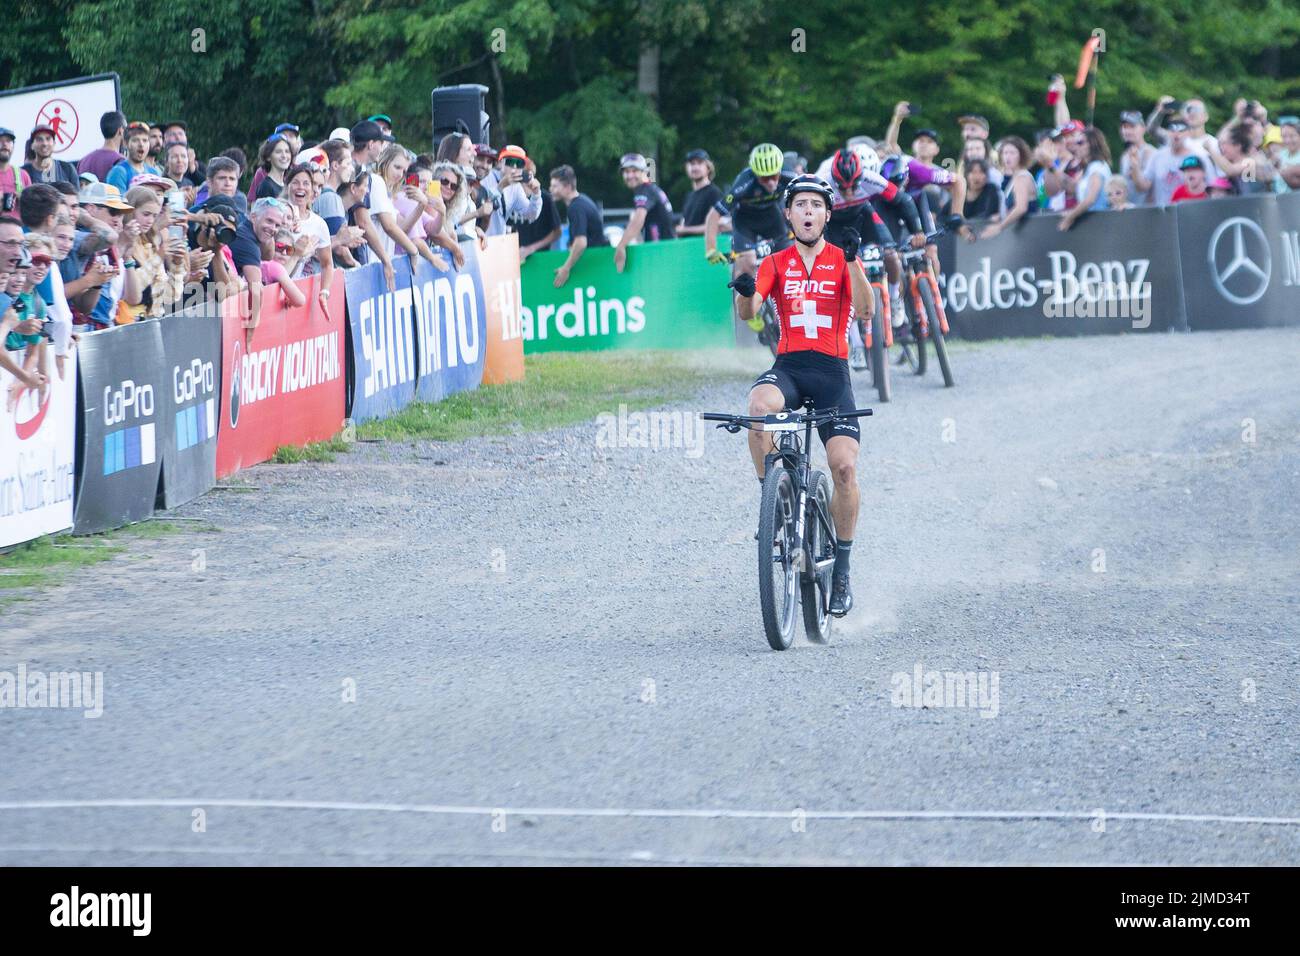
(283, 248)
(449, 184)
(514, 163)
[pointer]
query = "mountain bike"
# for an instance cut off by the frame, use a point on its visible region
(796, 537)
(926, 313)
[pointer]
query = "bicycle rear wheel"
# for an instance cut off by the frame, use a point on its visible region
(816, 586)
(778, 573)
(936, 332)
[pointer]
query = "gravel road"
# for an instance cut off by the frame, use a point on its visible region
(568, 634)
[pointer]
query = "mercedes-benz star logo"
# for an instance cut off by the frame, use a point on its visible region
(1248, 258)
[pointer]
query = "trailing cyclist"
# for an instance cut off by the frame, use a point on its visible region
(815, 287)
(754, 204)
(855, 173)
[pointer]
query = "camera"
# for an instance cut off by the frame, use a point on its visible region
(225, 232)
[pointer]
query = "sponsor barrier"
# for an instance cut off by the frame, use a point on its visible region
(189, 403)
(381, 336)
(1241, 261)
(1112, 272)
(450, 326)
(122, 380)
(503, 292)
(37, 453)
(667, 297)
(72, 108)
(282, 384)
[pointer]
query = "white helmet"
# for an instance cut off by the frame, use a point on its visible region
(869, 158)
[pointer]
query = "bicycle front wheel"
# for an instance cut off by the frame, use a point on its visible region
(879, 358)
(816, 585)
(778, 559)
(936, 332)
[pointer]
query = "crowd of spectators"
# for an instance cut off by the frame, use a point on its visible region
(138, 224)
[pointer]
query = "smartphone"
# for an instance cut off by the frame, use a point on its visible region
(913, 109)
(176, 206)
(413, 179)
(434, 189)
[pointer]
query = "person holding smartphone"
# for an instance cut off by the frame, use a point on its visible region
(517, 195)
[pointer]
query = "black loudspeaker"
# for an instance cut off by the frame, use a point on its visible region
(459, 109)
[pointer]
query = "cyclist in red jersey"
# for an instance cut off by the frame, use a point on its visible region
(816, 288)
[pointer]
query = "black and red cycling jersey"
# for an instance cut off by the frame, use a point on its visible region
(814, 308)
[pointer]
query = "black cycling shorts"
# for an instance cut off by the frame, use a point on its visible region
(870, 228)
(816, 375)
(745, 235)
(898, 229)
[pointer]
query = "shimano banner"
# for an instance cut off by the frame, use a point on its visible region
(1241, 261)
(38, 429)
(1113, 272)
(381, 326)
(190, 404)
(450, 326)
(123, 379)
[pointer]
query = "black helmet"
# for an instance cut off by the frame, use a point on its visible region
(808, 184)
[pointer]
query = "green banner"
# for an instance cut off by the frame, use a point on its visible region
(668, 297)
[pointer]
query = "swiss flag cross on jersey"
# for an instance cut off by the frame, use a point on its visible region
(815, 308)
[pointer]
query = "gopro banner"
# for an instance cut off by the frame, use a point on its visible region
(667, 297)
(450, 326)
(503, 293)
(1241, 261)
(1112, 272)
(282, 383)
(38, 452)
(71, 108)
(381, 327)
(190, 404)
(123, 381)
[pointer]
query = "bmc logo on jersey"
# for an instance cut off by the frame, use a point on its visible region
(796, 287)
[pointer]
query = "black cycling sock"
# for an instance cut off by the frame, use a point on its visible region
(842, 549)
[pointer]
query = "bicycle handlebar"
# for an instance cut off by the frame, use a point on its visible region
(783, 420)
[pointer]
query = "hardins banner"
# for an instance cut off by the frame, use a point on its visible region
(37, 452)
(1112, 272)
(1241, 261)
(282, 383)
(123, 380)
(667, 297)
(191, 343)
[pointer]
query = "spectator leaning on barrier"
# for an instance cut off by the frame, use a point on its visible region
(1162, 173)
(136, 161)
(11, 254)
(329, 204)
(1255, 173)
(1288, 156)
(13, 180)
(112, 126)
(1117, 193)
(1137, 153)
(101, 255)
(22, 314)
(373, 206)
(45, 214)
(266, 218)
(541, 233)
(1019, 193)
(1092, 156)
(44, 168)
(983, 201)
(652, 213)
(410, 203)
(454, 186)
(161, 261)
(703, 195)
(1194, 183)
(586, 225)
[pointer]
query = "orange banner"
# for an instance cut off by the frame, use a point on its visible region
(503, 293)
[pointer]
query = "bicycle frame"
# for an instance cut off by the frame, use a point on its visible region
(875, 269)
(790, 452)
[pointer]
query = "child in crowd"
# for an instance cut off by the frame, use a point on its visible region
(1193, 187)
(1221, 188)
(21, 323)
(1117, 193)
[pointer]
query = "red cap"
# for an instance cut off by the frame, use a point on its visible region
(42, 128)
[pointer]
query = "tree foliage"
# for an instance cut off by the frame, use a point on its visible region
(563, 74)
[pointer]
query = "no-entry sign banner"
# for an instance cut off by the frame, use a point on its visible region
(71, 108)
